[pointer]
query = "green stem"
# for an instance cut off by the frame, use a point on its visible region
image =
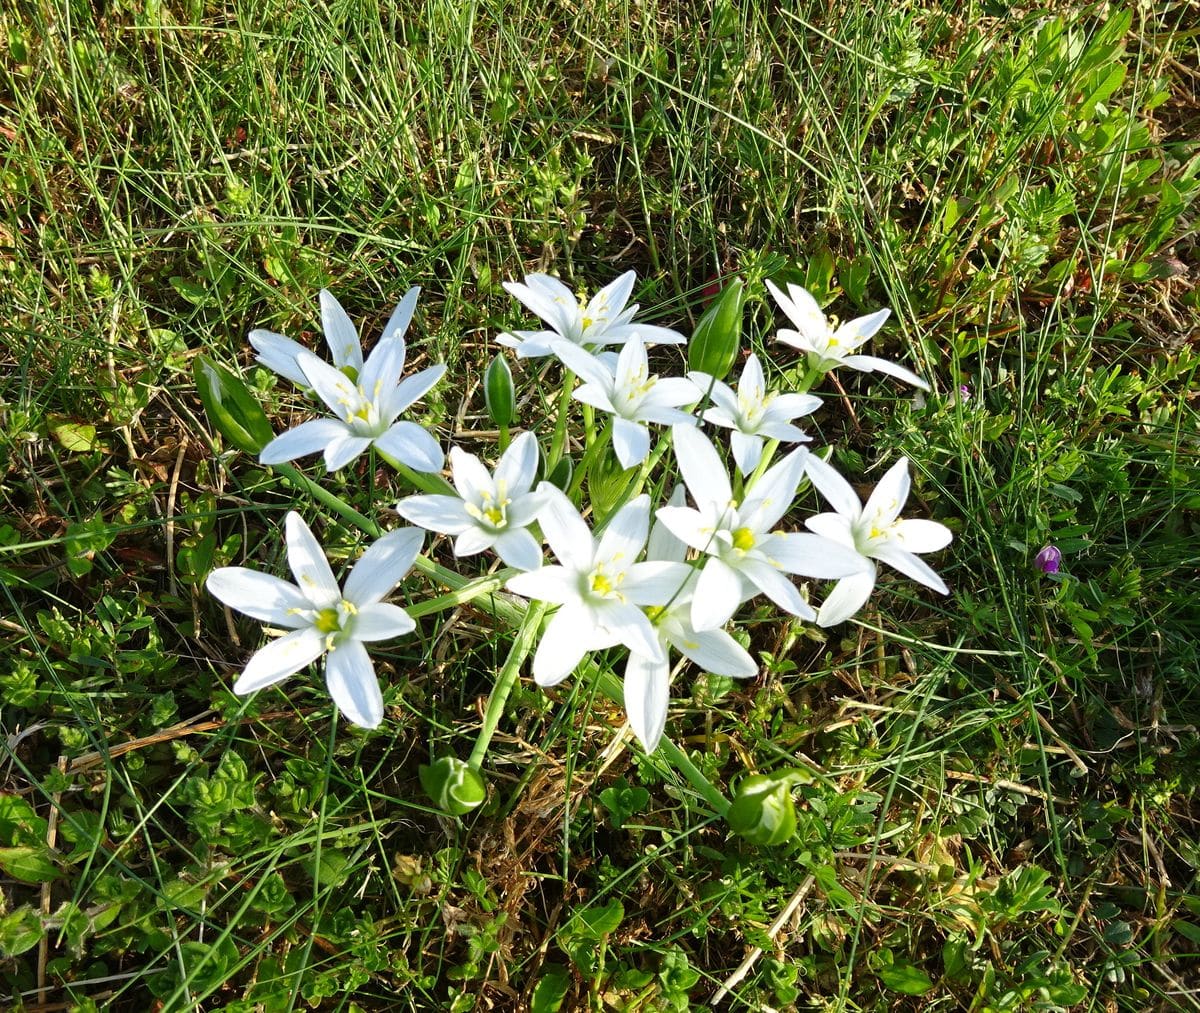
(559, 439)
(595, 449)
(504, 439)
(335, 503)
(509, 674)
(427, 482)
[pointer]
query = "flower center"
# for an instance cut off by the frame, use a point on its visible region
(335, 622)
(491, 510)
(603, 583)
(743, 539)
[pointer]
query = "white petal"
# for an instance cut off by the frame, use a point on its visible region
(689, 526)
(279, 659)
(517, 547)
(611, 299)
(383, 565)
(473, 540)
(306, 438)
(801, 308)
(345, 449)
(410, 390)
(890, 494)
(833, 487)
(564, 643)
(812, 555)
(649, 333)
(854, 332)
(718, 594)
(350, 679)
(517, 467)
(717, 652)
(647, 694)
(625, 534)
(922, 536)
(397, 325)
(672, 391)
(832, 526)
(848, 595)
(259, 595)
(446, 514)
(569, 537)
(528, 344)
(583, 364)
(309, 565)
(381, 372)
(631, 442)
(523, 510)
(595, 395)
(790, 406)
(340, 333)
(662, 543)
(747, 451)
(632, 365)
(777, 587)
(381, 620)
(555, 584)
(909, 565)
(779, 430)
(279, 353)
(413, 445)
(771, 496)
(332, 386)
(542, 295)
(871, 364)
(701, 467)
(721, 394)
(752, 386)
(655, 582)
(472, 480)
(629, 625)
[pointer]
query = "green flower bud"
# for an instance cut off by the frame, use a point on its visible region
(763, 811)
(498, 392)
(231, 407)
(715, 342)
(454, 786)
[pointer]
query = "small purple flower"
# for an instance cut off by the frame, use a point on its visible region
(1049, 560)
(964, 392)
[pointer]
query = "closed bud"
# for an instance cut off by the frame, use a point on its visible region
(714, 344)
(231, 408)
(498, 392)
(763, 811)
(453, 785)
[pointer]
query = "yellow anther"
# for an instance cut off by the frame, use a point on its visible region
(743, 539)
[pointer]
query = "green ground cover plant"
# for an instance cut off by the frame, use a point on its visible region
(994, 792)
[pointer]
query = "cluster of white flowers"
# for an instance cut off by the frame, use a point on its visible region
(644, 578)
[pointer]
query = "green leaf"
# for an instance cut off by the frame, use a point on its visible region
(20, 930)
(231, 407)
(193, 292)
(76, 437)
(551, 990)
(906, 978)
(29, 864)
(84, 539)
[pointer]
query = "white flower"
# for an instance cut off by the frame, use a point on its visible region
(324, 618)
(598, 585)
(631, 394)
(604, 320)
(281, 354)
(828, 348)
(754, 412)
(647, 681)
(489, 512)
(365, 404)
(875, 532)
(745, 557)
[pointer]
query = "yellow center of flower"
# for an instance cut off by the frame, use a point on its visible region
(495, 516)
(601, 584)
(328, 621)
(743, 539)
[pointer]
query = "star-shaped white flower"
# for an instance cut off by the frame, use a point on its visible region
(875, 531)
(598, 585)
(365, 398)
(490, 511)
(632, 395)
(323, 617)
(603, 320)
(648, 681)
(828, 346)
(744, 555)
(754, 412)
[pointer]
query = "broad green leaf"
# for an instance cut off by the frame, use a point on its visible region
(77, 437)
(231, 407)
(906, 978)
(551, 990)
(20, 930)
(29, 864)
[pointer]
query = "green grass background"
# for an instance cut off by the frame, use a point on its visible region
(1002, 807)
